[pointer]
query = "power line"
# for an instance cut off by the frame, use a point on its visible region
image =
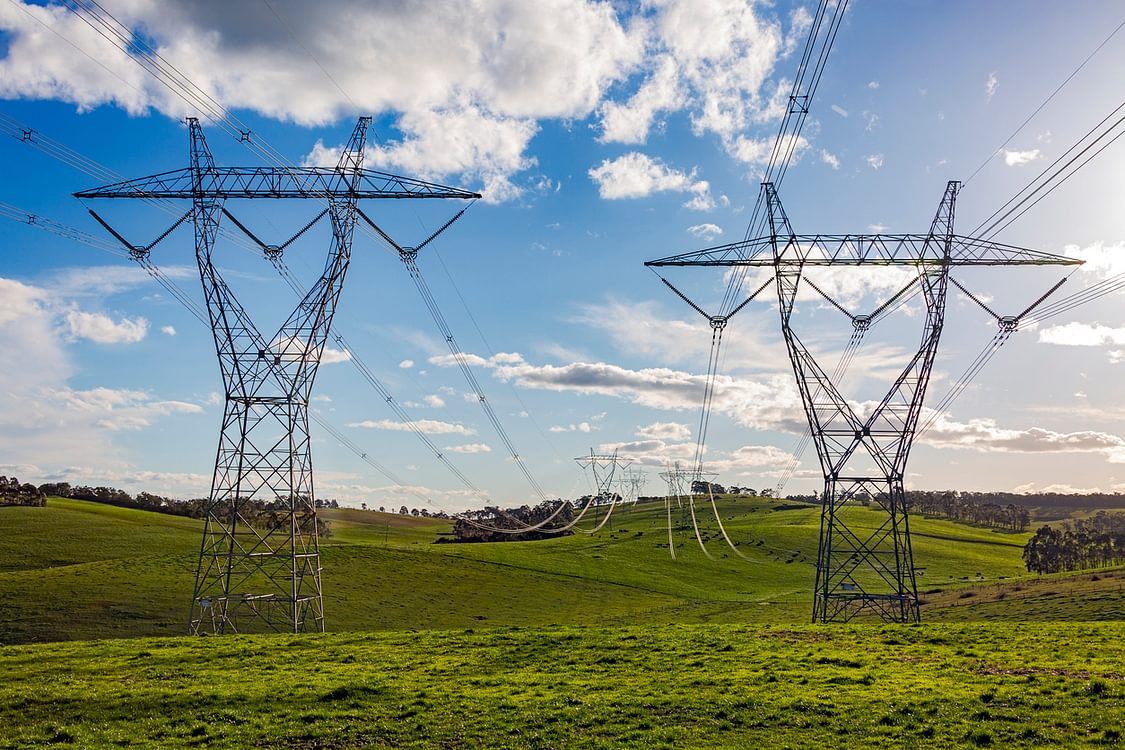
(805, 84)
(1044, 103)
(1003, 217)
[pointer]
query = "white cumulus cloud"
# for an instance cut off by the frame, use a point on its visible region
(630, 121)
(755, 152)
(492, 73)
(1019, 158)
(102, 329)
(664, 431)
(1082, 334)
(704, 232)
(292, 349)
(636, 175)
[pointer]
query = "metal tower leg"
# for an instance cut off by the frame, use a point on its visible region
(259, 564)
(861, 569)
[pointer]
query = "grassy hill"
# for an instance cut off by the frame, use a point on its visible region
(733, 686)
(592, 641)
(78, 570)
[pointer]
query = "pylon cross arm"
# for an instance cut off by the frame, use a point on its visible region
(277, 183)
(867, 250)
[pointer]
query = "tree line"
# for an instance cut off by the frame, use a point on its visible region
(703, 487)
(404, 511)
(13, 492)
(978, 508)
(1095, 542)
(259, 513)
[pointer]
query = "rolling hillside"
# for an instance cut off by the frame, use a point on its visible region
(77, 570)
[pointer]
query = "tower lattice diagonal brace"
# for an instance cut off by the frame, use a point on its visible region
(261, 570)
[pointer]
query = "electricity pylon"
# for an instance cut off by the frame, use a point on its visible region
(259, 563)
(862, 569)
(679, 482)
(636, 480)
(676, 477)
(603, 468)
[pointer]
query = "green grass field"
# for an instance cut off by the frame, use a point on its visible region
(78, 570)
(596, 640)
(683, 686)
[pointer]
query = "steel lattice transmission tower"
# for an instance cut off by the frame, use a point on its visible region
(259, 564)
(859, 568)
(604, 469)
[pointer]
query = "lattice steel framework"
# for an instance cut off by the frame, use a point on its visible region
(679, 482)
(603, 468)
(259, 563)
(861, 569)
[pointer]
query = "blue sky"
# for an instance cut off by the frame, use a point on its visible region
(602, 135)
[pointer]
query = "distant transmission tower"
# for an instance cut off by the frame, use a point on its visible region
(636, 479)
(679, 481)
(676, 476)
(603, 469)
(259, 564)
(862, 569)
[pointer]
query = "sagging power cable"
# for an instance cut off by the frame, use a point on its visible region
(409, 258)
(1006, 326)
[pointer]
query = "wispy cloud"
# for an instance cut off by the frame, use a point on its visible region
(469, 448)
(992, 85)
(429, 426)
(580, 427)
